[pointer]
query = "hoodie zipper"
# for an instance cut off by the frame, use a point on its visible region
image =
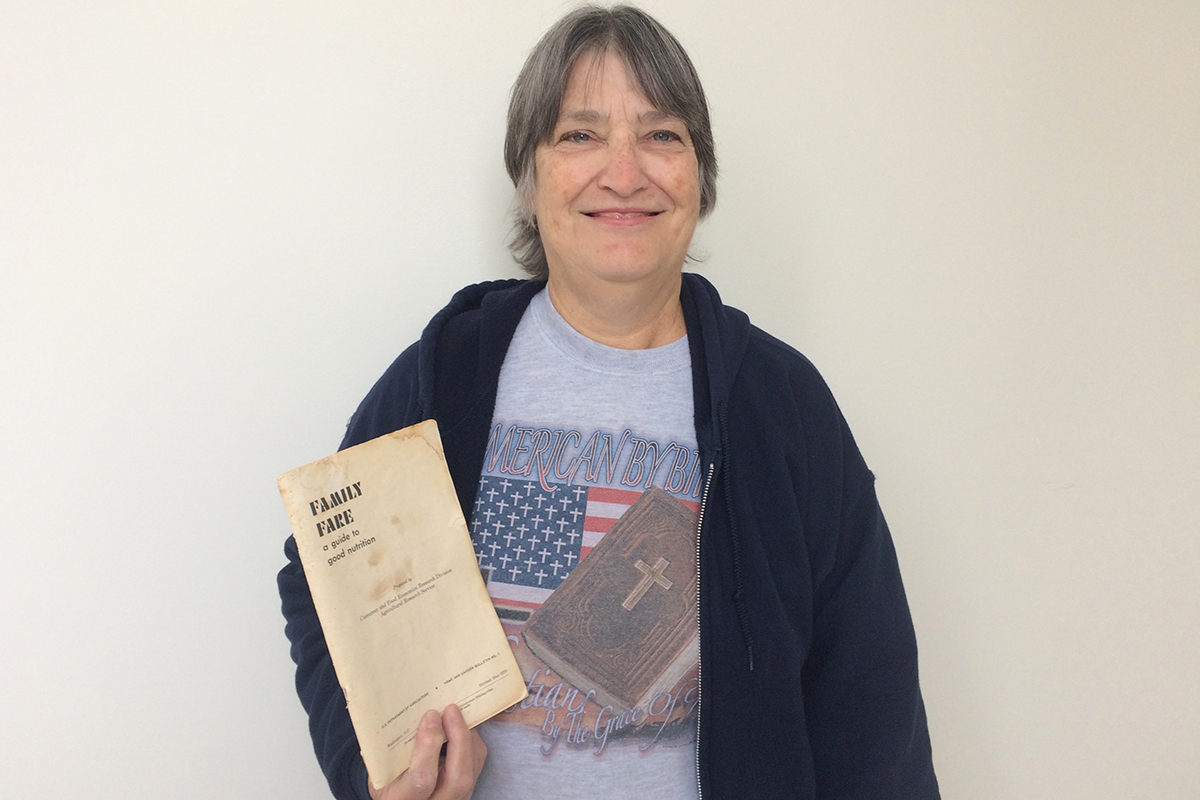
(699, 671)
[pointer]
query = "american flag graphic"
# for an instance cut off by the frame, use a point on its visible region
(528, 539)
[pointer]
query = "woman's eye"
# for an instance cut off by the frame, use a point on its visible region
(664, 136)
(576, 136)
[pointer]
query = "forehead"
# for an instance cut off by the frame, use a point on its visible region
(600, 79)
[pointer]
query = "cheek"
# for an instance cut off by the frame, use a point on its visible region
(551, 201)
(691, 183)
(686, 194)
(545, 200)
(691, 189)
(682, 183)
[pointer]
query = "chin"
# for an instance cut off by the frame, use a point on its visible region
(633, 266)
(629, 273)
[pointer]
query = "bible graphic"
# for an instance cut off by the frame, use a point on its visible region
(624, 620)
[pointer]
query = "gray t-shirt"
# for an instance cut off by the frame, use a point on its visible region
(580, 435)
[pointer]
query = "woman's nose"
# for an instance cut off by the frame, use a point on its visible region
(623, 172)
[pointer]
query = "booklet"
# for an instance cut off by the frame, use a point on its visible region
(397, 588)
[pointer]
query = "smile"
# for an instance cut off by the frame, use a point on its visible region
(615, 214)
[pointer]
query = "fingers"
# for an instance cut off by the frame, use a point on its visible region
(421, 777)
(465, 753)
(479, 752)
(432, 777)
(429, 777)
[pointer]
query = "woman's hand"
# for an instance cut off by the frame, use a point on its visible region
(432, 776)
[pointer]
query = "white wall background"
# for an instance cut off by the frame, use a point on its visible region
(220, 221)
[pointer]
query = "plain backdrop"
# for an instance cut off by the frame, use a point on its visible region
(220, 222)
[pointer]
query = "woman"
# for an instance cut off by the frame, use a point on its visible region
(767, 650)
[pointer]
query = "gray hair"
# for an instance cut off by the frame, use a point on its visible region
(659, 67)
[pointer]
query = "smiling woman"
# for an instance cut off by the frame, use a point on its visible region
(770, 565)
(656, 66)
(610, 147)
(616, 201)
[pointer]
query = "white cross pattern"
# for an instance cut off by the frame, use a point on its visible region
(524, 538)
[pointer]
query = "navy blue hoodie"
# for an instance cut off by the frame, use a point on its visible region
(808, 660)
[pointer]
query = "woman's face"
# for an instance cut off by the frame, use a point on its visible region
(618, 186)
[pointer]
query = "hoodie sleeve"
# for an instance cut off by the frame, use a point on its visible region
(333, 736)
(865, 715)
(390, 405)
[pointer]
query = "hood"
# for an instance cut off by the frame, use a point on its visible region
(463, 346)
(717, 336)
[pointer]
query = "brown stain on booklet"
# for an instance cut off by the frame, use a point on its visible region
(399, 582)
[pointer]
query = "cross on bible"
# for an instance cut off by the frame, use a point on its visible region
(617, 624)
(653, 575)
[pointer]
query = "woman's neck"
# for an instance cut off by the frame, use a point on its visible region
(630, 316)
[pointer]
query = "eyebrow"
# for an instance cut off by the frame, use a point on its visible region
(588, 115)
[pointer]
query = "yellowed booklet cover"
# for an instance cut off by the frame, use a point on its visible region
(396, 584)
